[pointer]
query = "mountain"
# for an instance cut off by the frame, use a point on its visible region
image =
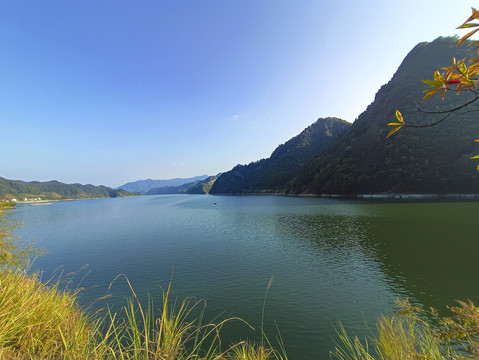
(204, 186)
(55, 190)
(143, 186)
(272, 174)
(414, 160)
(195, 187)
(165, 190)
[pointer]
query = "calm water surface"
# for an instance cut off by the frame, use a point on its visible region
(331, 259)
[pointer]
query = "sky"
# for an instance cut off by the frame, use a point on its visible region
(107, 92)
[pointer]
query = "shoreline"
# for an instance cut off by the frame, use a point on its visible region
(418, 196)
(57, 200)
(363, 196)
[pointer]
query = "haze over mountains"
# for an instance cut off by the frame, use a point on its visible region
(332, 156)
(143, 186)
(194, 187)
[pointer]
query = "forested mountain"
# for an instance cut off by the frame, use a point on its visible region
(143, 186)
(165, 190)
(272, 174)
(414, 160)
(195, 187)
(203, 186)
(55, 190)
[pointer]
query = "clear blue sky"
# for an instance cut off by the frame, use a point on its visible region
(106, 92)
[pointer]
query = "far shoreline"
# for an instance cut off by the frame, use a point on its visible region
(397, 196)
(57, 200)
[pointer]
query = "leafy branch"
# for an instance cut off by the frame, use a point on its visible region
(459, 77)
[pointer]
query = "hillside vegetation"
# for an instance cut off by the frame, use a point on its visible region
(195, 187)
(272, 174)
(204, 186)
(427, 160)
(55, 190)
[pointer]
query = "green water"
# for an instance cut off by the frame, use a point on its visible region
(330, 259)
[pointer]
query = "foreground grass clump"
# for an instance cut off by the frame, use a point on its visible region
(407, 335)
(40, 321)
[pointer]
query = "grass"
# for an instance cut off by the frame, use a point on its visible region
(40, 321)
(410, 335)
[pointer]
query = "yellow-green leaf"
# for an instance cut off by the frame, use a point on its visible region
(467, 82)
(475, 157)
(468, 25)
(474, 16)
(443, 93)
(395, 124)
(473, 67)
(467, 36)
(393, 131)
(438, 77)
(432, 83)
(399, 117)
(430, 93)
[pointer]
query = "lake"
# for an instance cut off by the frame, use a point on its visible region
(330, 259)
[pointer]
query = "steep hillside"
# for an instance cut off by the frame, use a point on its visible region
(426, 160)
(204, 186)
(195, 187)
(165, 190)
(272, 174)
(52, 190)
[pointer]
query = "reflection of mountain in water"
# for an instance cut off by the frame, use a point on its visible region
(433, 245)
(346, 241)
(331, 259)
(426, 250)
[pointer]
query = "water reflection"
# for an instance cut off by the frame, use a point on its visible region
(430, 247)
(324, 267)
(331, 259)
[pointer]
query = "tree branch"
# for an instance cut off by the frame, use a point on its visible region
(438, 112)
(431, 124)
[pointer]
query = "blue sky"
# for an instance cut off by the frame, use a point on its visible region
(106, 92)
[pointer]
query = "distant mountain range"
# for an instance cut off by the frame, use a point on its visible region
(195, 187)
(55, 190)
(332, 156)
(143, 186)
(271, 175)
